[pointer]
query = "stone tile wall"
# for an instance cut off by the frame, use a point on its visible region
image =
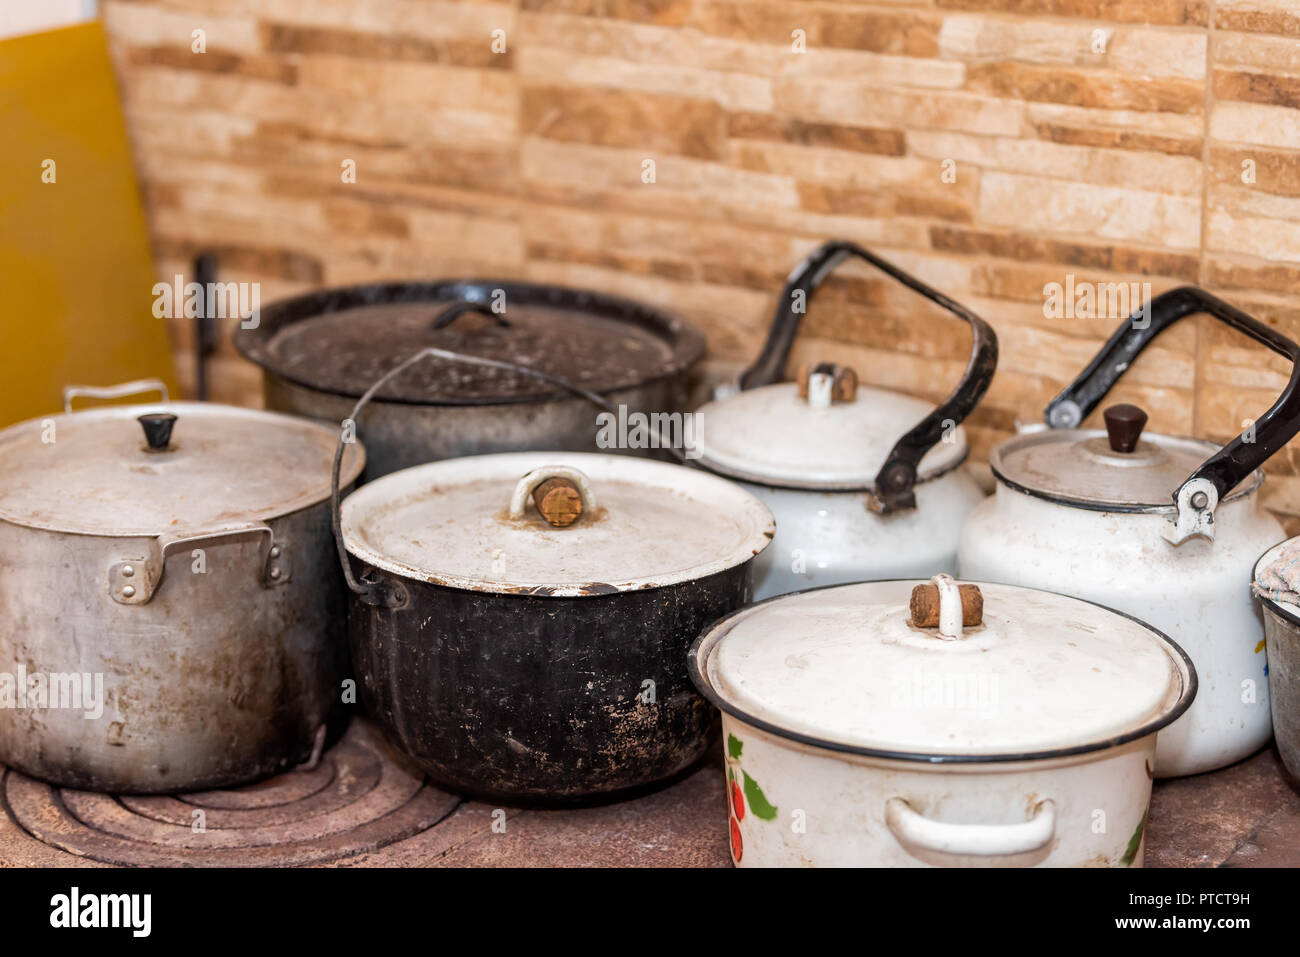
(993, 147)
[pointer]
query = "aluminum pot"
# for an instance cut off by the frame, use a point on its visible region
(1276, 586)
(519, 621)
(319, 352)
(900, 723)
(176, 592)
(1164, 528)
(864, 483)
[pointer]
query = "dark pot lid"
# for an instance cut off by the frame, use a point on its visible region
(342, 340)
(163, 469)
(474, 523)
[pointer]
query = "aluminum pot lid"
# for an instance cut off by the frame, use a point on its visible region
(1119, 467)
(845, 667)
(343, 340)
(94, 472)
(477, 523)
(773, 435)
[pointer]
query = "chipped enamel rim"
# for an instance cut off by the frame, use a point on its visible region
(748, 510)
(1284, 610)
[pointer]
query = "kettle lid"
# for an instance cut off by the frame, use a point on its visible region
(1120, 468)
(780, 435)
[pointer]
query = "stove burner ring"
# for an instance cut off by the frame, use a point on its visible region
(356, 801)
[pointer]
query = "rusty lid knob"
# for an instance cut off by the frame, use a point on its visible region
(846, 384)
(844, 380)
(1124, 425)
(925, 605)
(558, 501)
(157, 429)
(802, 375)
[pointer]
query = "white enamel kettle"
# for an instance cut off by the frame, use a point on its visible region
(864, 483)
(1162, 528)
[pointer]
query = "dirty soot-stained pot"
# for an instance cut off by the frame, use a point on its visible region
(525, 662)
(319, 352)
(864, 483)
(1282, 631)
(1020, 733)
(188, 559)
(1164, 528)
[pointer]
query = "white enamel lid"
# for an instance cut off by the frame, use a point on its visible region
(772, 436)
(1078, 466)
(92, 473)
(653, 524)
(843, 666)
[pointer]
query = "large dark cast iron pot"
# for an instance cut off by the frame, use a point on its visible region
(320, 352)
(522, 661)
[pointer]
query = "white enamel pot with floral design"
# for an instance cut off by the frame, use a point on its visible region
(899, 723)
(864, 483)
(1164, 528)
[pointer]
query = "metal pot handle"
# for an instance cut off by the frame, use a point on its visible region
(1198, 496)
(133, 581)
(385, 592)
(894, 481)
(121, 390)
(911, 829)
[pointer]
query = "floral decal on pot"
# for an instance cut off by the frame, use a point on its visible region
(1135, 842)
(743, 793)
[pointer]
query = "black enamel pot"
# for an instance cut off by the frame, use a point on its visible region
(519, 622)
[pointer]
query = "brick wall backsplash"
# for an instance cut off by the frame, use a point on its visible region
(989, 146)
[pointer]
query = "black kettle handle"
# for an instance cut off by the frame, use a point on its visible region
(897, 475)
(1197, 497)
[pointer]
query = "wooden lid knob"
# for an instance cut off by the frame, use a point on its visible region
(925, 606)
(846, 384)
(558, 501)
(845, 379)
(1124, 425)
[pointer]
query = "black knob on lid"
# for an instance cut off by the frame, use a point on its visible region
(157, 429)
(1124, 425)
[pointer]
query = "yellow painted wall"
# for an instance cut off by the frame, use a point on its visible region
(75, 271)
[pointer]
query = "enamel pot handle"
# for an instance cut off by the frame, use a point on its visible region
(897, 476)
(386, 592)
(1197, 497)
(914, 830)
(120, 391)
